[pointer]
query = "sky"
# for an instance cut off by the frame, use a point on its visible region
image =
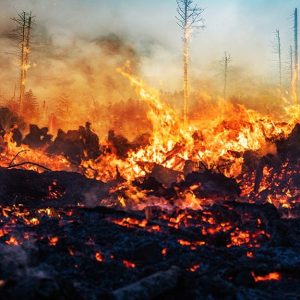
(67, 35)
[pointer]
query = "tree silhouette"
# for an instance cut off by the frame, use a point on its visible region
(31, 106)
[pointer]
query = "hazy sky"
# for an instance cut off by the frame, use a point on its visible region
(243, 28)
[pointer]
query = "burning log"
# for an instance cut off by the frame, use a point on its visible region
(150, 287)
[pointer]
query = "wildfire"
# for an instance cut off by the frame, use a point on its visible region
(217, 143)
(30, 159)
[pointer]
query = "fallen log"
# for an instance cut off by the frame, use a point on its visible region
(61, 189)
(148, 288)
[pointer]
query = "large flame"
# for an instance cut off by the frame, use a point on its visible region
(218, 143)
(173, 144)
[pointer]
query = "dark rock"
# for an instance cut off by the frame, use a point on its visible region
(244, 278)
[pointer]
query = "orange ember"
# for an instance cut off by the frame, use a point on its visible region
(12, 241)
(269, 277)
(99, 256)
(194, 268)
(53, 240)
(128, 264)
(250, 254)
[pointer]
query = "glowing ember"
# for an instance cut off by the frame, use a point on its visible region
(99, 256)
(12, 241)
(33, 221)
(250, 254)
(192, 245)
(3, 232)
(129, 264)
(269, 277)
(129, 222)
(53, 240)
(194, 268)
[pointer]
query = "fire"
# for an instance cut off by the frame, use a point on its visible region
(132, 223)
(53, 191)
(12, 241)
(53, 241)
(217, 143)
(99, 256)
(239, 238)
(250, 254)
(32, 221)
(47, 211)
(269, 277)
(3, 232)
(191, 245)
(128, 264)
(30, 159)
(194, 268)
(173, 144)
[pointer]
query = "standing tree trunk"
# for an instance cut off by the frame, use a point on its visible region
(22, 64)
(24, 24)
(186, 75)
(189, 17)
(27, 48)
(226, 62)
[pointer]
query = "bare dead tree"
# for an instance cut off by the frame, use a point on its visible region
(24, 22)
(189, 17)
(226, 61)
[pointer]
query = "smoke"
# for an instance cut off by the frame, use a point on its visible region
(78, 45)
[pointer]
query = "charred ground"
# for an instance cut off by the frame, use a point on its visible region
(64, 236)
